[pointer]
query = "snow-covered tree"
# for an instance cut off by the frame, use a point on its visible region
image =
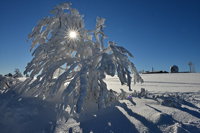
(17, 73)
(74, 61)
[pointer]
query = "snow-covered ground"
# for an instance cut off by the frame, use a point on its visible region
(172, 105)
(148, 115)
(170, 82)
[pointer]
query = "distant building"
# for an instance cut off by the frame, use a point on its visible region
(174, 69)
(154, 72)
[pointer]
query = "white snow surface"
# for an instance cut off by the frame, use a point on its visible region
(170, 82)
(143, 114)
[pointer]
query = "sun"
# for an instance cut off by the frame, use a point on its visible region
(72, 35)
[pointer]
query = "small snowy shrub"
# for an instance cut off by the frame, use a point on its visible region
(7, 83)
(73, 61)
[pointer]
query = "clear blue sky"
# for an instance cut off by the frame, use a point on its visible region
(159, 33)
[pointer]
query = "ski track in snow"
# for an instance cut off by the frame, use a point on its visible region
(146, 116)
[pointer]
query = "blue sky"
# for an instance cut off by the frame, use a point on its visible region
(159, 33)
